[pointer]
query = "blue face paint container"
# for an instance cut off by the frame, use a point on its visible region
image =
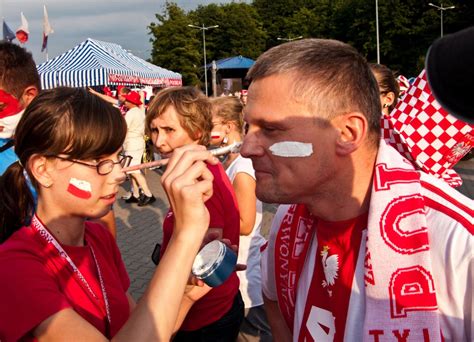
(214, 263)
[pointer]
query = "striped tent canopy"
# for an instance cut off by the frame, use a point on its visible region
(97, 63)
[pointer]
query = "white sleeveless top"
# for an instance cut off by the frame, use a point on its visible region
(249, 249)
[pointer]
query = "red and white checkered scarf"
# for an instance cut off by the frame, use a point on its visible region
(423, 132)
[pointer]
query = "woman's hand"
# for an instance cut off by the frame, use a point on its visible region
(188, 185)
(193, 293)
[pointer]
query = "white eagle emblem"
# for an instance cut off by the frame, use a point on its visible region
(330, 268)
(458, 151)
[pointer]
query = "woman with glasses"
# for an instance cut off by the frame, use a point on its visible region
(63, 277)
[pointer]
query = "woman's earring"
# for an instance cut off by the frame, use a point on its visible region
(225, 140)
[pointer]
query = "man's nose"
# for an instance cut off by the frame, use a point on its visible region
(250, 145)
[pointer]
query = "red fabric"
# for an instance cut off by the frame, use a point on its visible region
(107, 91)
(224, 214)
(33, 287)
(339, 241)
(134, 98)
(424, 133)
(9, 105)
(291, 247)
(22, 36)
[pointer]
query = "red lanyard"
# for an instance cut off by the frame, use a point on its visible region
(39, 228)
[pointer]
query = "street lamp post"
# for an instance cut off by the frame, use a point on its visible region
(289, 39)
(204, 29)
(441, 9)
(377, 29)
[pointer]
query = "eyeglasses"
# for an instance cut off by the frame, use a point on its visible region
(104, 167)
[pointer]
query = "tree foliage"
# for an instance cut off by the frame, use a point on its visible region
(175, 46)
(406, 29)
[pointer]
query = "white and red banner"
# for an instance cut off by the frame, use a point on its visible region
(119, 78)
(22, 33)
(47, 29)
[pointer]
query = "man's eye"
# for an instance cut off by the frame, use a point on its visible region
(269, 129)
(246, 127)
(154, 130)
(168, 130)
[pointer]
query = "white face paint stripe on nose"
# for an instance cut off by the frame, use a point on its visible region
(291, 149)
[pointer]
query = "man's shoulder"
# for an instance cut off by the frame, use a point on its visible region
(136, 112)
(447, 206)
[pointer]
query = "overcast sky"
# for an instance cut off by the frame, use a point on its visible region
(116, 21)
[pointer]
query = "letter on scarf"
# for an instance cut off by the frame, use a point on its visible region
(411, 289)
(396, 225)
(321, 324)
(385, 177)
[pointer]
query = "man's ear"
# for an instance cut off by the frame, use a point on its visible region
(353, 128)
(39, 168)
(28, 95)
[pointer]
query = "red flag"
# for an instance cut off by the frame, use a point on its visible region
(47, 29)
(22, 32)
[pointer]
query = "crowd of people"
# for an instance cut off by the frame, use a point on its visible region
(364, 246)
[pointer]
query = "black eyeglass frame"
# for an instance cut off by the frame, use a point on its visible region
(124, 161)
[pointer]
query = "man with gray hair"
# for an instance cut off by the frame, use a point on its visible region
(366, 246)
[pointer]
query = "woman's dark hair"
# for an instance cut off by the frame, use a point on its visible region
(386, 81)
(58, 121)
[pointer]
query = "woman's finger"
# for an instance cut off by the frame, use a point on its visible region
(178, 159)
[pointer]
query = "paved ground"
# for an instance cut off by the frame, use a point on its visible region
(139, 229)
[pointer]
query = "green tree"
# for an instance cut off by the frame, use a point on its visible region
(174, 45)
(240, 30)
(407, 28)
(208, 15)
(275, 14)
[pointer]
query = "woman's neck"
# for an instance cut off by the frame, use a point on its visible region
(230, 159)
(233, 137)
(67, 230)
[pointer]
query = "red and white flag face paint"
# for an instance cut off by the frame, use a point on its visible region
(80, 188)
(9, 105)
(217, 138)
(216, 135)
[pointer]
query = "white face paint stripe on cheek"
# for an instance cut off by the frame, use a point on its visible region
(79, 188)
(291, 149)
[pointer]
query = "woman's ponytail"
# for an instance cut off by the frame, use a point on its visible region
(16, 200)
